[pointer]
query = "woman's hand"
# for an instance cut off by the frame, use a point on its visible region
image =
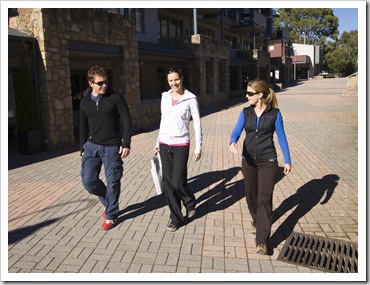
(287, 168)
(196, 156)
(234, 148)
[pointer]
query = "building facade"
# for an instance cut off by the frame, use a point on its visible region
(307, 61)
(219, 50)
(281, 52)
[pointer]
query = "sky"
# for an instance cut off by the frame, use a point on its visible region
(348, 19)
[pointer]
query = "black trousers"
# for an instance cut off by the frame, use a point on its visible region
(174, 166)
(259, 182)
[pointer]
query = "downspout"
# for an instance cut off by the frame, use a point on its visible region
(253, 31)
(222, 24)
(35, 74)
(195, 21)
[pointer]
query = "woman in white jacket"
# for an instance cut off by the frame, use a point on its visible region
(178, 106)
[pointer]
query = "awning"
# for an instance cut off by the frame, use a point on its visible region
(17, 34)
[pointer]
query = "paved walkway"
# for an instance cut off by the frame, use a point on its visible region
(54, 224)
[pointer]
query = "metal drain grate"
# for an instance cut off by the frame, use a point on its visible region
(320, 253)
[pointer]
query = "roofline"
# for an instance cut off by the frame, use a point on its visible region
(17, 34)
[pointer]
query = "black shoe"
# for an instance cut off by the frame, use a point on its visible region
(172, 226)
(191, 213)
(262, 248)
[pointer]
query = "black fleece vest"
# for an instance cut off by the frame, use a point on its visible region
(259, 142)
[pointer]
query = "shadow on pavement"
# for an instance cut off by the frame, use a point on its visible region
(222, 106)
(290, 85)
(306, 197)
(21, 233)
(135, 210)
(16, 159)
(224, 194)
(219, 197)
(215, 199)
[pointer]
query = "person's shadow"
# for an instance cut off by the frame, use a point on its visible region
(223, 194)
(224, 191)
(305, 199)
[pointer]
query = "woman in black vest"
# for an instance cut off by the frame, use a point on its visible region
(259, 158)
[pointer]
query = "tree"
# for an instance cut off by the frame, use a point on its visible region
(342, 56)
(315, 25)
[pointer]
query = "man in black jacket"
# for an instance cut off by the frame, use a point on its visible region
(105, 138)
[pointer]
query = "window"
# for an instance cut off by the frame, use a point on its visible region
(206, 32)
(161, 80)
(170, 27)
(139, 19)
(137, 14)
(232, 41)
(231, 14)
(245, 45)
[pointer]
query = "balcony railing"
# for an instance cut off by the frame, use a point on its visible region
(252, 18)
(245, 54)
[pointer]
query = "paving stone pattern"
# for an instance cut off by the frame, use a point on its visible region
(54, 224)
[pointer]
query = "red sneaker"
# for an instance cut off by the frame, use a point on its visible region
(108, 224)
(104, 215)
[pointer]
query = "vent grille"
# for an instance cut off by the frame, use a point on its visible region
(320, 253)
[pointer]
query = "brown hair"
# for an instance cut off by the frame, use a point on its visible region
(269, 96)
(96, 70)
(174, 69)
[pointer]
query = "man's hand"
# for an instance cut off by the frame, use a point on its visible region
(124, 152)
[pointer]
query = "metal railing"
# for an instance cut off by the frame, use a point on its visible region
(353, 75)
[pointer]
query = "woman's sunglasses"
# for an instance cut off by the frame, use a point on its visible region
(250, 94)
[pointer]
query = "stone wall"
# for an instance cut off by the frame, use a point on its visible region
(352, 86)
(352, 83)
(53, 29)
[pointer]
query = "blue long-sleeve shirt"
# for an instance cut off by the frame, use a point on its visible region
(279, 128)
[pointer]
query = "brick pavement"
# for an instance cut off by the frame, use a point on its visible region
(54, 224)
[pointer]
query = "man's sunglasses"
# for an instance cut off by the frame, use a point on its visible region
(101, 83)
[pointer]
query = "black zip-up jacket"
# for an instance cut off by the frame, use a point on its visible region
(105, 123)
(259, 142)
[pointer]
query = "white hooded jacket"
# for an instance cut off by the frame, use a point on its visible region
(175, 120)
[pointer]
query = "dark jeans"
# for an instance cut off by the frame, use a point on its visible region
(174, 166)
(259, 182)
(92, 160)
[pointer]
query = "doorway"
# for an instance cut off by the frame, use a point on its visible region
(78, 87)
